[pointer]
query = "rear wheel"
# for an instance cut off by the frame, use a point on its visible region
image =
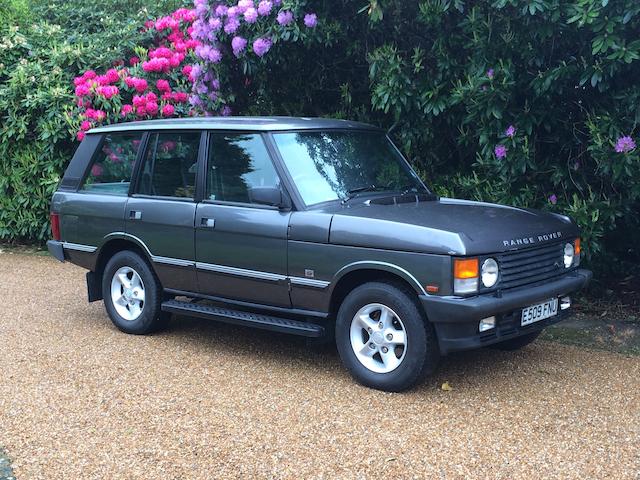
(383, 338)
(132, 294)
(518, 342)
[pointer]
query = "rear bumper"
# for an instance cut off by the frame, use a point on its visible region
(456, 319)
(55, 249)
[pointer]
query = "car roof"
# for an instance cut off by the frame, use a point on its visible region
(260, 124)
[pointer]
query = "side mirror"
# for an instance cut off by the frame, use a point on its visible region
(272, 196)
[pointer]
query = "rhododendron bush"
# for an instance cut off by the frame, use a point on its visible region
(154, 83)
(241, 34)
(42, 48)
(183, 73)
(526, 102)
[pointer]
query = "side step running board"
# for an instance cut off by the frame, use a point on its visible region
(237, 317)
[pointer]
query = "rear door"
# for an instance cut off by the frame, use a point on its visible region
(241, 247)
(161, 211)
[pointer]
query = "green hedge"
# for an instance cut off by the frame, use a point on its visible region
(521, 102)
(43, 46)
(447, 77)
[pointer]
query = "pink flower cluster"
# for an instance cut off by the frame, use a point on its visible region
(148, 104)
(100, 84)
(173, 21)
(164, 59)
(98, 96)
(107, 91)
(139, 84)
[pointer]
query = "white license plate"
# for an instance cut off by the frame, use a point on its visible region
(538, 312)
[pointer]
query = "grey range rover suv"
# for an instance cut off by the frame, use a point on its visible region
(313, 227)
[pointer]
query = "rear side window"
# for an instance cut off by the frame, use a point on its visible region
(170, 165)
(112, 164)
(238, 163)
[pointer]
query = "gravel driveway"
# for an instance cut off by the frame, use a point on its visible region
(206, 400)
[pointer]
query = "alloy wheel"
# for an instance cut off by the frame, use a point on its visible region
(378, 338)
(127, 293)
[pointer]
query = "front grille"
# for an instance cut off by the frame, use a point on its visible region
(531, 266)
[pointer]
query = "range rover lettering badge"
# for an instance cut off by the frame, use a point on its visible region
(531, 240)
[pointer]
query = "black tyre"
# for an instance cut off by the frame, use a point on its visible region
(517, 343)
(384, 339)
(132, 294)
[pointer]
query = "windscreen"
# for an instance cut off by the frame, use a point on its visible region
(337, 165)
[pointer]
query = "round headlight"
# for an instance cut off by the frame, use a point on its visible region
(568, 255)
(489, 272)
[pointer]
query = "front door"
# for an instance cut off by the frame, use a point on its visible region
(241, 247)
(162, 210)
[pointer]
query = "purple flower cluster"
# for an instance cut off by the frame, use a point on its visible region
(264, 7)
(285, 17)
(251, 15)
(207, 52)
(261, 46)
(625, 144)
(221, 24)
(500, 151)
(238, 44)
(310, 20)
(510, 131)
(231, 25)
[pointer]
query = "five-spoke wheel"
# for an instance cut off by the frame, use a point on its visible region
(127, 293)
(378, 338)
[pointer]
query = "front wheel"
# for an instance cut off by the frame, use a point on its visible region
(383, 338)
(132, 294)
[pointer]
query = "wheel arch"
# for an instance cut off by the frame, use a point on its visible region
(114, 243)
(358, 273)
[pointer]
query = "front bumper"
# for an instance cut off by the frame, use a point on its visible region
(456, 319)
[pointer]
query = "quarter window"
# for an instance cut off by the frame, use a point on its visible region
(238, 163)
(170, 165)
(112, 164)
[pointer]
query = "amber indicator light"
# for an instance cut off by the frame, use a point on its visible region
(465, 268)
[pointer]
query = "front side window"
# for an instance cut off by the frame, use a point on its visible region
(112, 164)
(336, 165)
(238, 163)
(170, 165)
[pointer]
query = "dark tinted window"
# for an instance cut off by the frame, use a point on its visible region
(112, 164)
(170, 165)
(238, 163)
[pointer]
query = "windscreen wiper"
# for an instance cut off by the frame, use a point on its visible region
(404, 190)
(367, 188)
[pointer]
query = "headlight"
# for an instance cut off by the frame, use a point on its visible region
(568, 255)
(489, 272)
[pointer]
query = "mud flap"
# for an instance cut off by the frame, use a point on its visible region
(94, 287)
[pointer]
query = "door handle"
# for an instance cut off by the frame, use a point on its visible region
(135, 214)
(207, 222)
